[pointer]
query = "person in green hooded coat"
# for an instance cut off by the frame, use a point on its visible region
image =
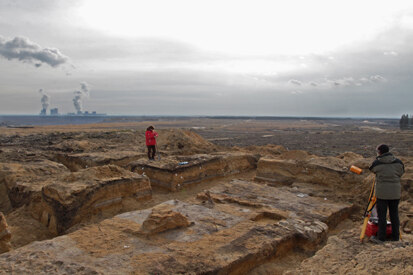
(388, 170)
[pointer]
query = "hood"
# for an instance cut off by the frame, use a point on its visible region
(386, 158)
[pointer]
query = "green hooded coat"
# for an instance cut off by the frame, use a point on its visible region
(388, 170)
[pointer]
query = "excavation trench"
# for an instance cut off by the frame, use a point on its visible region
(249, 223)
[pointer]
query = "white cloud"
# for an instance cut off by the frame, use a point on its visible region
(391, 53)
(364, 80)
(377, 78)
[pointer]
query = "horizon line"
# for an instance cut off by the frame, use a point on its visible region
(205, 116)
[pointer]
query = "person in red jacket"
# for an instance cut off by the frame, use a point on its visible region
(151, 136)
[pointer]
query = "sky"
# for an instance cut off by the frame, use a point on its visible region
(190, 57)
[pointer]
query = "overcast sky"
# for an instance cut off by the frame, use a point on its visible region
(216, 57)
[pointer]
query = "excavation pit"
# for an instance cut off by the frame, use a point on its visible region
(174, 173)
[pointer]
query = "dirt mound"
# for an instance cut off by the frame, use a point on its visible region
(263, 151)
(75, 146)
(183, 142)
(351, 158)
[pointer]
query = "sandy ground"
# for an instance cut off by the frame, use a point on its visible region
(319, 137)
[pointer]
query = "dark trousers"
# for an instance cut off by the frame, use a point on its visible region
(393, 206)
(151, 151)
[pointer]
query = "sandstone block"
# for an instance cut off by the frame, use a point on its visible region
(162, 219)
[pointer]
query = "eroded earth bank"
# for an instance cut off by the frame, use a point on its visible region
(85, 200)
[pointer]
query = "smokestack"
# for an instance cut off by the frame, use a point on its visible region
(45, 102)
(77, 100)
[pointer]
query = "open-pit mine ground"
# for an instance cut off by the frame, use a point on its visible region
(223, 196)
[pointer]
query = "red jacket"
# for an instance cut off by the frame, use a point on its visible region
(150, 137)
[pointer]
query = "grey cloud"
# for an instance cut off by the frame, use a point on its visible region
(377, 64)
(36, 6)
(345, 81)
(23, 49)
(377, 78)
(295, 82)
(348, 81)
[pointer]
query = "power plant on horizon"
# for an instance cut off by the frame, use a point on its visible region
(55, 112)
(77, 102)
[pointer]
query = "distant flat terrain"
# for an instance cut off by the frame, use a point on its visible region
(321, 136)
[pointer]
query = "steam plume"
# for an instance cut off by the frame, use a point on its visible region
(77, 100)
(45, 101)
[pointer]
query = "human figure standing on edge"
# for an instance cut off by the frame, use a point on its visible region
(151, 136)
(388, 170)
